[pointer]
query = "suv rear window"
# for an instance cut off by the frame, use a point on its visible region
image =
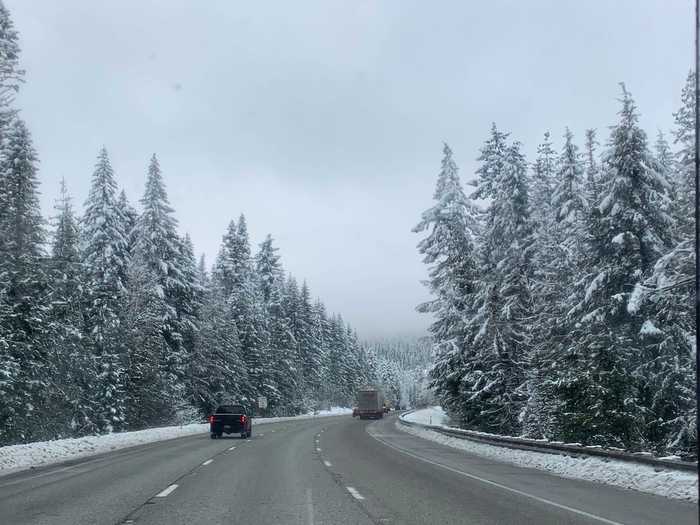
(230, 409)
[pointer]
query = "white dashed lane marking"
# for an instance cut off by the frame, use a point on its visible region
(327, 463)
(309, 508)
(355, 494)
(232, 448)
(207, 462)
(167, 491)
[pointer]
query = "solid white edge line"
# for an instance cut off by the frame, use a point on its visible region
(502, 487)
(355, 493)
(207, 462)
(167, 491)
(327, 463)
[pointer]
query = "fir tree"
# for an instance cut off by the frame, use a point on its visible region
(105, 258)
(11, 75)
(628, 232)
(281, 377)
(449, 249)
(558, 260)
(149, 400)
(159, 249)
(268, 267)
(130, 219)
(235, 277)
(23, 281)
(496, 370)
(310, 352)
(543, 181)
(74, 372)
(684, 140)
(592, 167)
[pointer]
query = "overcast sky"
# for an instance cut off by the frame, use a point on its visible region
(323, 121)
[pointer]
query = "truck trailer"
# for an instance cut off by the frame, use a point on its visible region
(370, 403)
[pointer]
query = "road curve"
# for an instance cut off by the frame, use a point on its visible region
(319, 471)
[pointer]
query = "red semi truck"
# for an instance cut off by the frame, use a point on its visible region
(370, 403)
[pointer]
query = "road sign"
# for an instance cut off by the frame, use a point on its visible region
(262, 402)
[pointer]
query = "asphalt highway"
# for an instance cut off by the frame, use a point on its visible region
(333, 471)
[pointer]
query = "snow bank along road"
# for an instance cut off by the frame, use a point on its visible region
(31, 455)
(335, 470)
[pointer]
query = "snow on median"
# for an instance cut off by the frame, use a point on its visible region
(644, 478)
(14, 458)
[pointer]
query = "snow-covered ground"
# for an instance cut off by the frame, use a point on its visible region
(19, 457)
(645, 478)
(428, 416)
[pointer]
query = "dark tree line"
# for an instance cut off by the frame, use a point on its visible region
(108, 322)
(563, 302)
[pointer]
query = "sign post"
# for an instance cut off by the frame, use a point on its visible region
(262, 403)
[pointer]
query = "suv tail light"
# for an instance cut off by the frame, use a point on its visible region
(211, 419)
(243, 419)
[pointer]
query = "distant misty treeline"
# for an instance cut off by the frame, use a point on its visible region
(564, 304)
(107, 321)
(400, 367)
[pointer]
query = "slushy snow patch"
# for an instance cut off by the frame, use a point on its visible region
(644, 478)
(19, 457)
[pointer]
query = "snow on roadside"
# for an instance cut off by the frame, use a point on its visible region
(644, 478)
(14, 458)
(428, 416)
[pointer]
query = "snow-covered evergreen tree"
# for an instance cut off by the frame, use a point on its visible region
(166, 260)
(684, 140)
(496, 376)
(74, 374)
(268, 267)
(234, 275)
(569, 196)
(558, 260)
(11, 75)
(308, 344)
(217, 373)
(190, 295)
(104, 257)
(452, 224)
(543, 181)
(592, 167)
(23, 281)
(130, 219)
(149, 400)
(321, 337)
(599, 387)
(665, 302)
(279, 380)
(281, 375)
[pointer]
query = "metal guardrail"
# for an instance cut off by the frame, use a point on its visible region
(548, 447)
